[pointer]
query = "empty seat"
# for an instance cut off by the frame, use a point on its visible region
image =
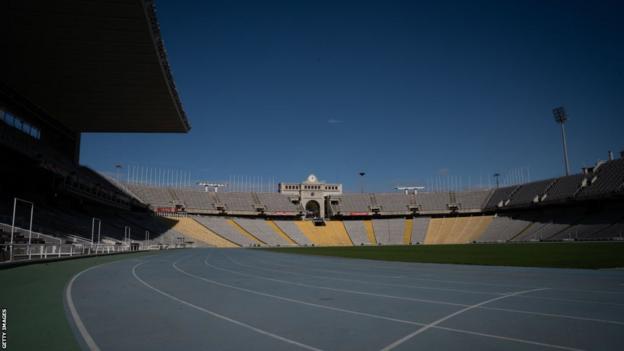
(223, 227)
(456, 230)
(291, 229)
(333, 233)
(389, 231)
(260, 229)
(357, 232)
(419, 229)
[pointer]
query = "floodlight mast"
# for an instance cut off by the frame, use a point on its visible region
(561, 117)
(118, 168)
(208, 185)
(362, 174)
(407, 189)
(496, 176)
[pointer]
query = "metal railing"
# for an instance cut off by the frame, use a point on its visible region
(44, 251)
(22, 252)
(18, 244)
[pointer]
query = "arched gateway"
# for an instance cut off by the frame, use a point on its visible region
(311, 194)
(313, 209)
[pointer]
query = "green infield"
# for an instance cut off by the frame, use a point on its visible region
(560, 255)
(33, 298)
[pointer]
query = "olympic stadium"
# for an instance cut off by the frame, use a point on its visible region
(97, 261)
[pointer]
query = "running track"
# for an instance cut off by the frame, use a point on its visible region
(244, 299)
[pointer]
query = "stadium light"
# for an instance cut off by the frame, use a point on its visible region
(362, 174)
(408, 188)
(208, 185)
(561, 117)
(496, 176)
(118, 168)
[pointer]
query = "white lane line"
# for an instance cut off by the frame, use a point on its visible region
(432, 288)
(404, 298)
(358, 292)
(373, 282)
(363, 314)
(84, 333)
(553, 315)
(283, 298)
(463, 291)
(563, 299)
(82, 329)
(445, 318)
(404, 278)
(444, 281)
(505, 338)
(460, 282)
(217, 315)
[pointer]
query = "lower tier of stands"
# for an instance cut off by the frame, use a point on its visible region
(333, 233)
(420, 226)
(389, 231)
(292, 230)
(604, 221)
(263, 231)
(555, 224)
(201, 235)
(456, 230)
(229, 230)
(357, 232)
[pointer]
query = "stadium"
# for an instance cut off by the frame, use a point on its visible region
(150, 259)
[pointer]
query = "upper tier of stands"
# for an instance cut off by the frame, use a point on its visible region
(196, 201)
(605, 180)
(406, 204)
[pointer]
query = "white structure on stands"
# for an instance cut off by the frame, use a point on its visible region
(311, 194)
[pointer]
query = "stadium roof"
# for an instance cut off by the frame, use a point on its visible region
(95, 66)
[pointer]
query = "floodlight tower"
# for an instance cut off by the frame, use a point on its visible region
(561, 117)
(362, 174)
(496, 176)
(208, 185)
(118, 168)
(407, 189)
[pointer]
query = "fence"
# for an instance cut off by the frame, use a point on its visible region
(43, 251)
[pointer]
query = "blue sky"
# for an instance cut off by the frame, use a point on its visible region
(403, 90)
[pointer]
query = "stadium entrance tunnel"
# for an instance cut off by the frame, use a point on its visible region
(313, 209)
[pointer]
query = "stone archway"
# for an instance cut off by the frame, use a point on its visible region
(313, 209)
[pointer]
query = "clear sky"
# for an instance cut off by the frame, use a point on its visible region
(403, 90)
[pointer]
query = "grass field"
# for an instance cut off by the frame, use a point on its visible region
(33, 297)
(559, 255)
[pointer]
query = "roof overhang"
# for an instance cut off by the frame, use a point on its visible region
(94, 66)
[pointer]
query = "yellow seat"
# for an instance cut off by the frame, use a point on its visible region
(456, 230)
(192, 229)
(333, 233)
